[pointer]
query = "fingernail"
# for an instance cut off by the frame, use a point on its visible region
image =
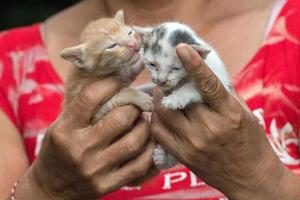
(157, 94)
(184, 52)
(146, 116)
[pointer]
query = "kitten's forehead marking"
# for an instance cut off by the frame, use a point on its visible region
(181, 36)
(158, 33)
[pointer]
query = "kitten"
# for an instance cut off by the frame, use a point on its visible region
(109, 47)
(170, 76)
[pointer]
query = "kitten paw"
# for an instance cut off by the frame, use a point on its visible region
(174, 103)
(162, 159)
(145, 102)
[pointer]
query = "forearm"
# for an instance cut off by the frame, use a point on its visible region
(271, 181)
(289, 186)
(29, 189)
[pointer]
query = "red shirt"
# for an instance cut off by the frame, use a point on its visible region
(31, 95)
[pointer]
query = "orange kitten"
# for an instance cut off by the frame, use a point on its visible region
(109, 47)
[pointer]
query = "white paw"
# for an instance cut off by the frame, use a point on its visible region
(173, 102)
(162, 159)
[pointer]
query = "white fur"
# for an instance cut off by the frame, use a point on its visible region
(163, 159)
(166, 61)
(168, 58)
(180, 98)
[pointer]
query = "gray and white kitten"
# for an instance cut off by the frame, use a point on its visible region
(168, 73)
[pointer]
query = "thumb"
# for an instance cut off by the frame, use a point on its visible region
(207, 83)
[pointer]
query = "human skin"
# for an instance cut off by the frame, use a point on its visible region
(83, 161)
(221, 141)
(212, 19)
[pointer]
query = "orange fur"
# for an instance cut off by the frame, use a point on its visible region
(94, 59)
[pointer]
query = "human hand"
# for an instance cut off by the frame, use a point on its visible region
(220, 141)
(83, 161)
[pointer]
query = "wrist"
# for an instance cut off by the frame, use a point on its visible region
(29, 189)
(289, 186)
(264, 182)
(270, 180)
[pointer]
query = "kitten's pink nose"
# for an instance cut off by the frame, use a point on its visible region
(134, 47)
(161, 81)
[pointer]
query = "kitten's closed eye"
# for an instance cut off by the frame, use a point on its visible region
(152, 64)
(112, 46)
(130, 32)
(176, 68)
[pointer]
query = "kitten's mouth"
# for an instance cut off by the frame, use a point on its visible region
(135, 57)
(168, 89)
(131, 60)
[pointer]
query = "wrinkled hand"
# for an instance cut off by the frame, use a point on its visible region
(220, 141)
(83, 161)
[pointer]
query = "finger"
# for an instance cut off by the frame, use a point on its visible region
(151, 173)
(80, 110)
(207, 83)
(134, 169)
(198, 113)
(128, 146)
(241, 101)
(163, 135)
(114, 124)
(174, 119)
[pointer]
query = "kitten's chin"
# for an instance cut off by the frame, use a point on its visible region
(171, 86)
(134, 58)
(165, 87)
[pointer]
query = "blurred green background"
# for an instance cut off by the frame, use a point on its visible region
(15, 13)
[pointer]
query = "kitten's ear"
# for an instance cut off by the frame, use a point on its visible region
(120, 16)
(75, 55)
(143, 31)
(202, 49)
